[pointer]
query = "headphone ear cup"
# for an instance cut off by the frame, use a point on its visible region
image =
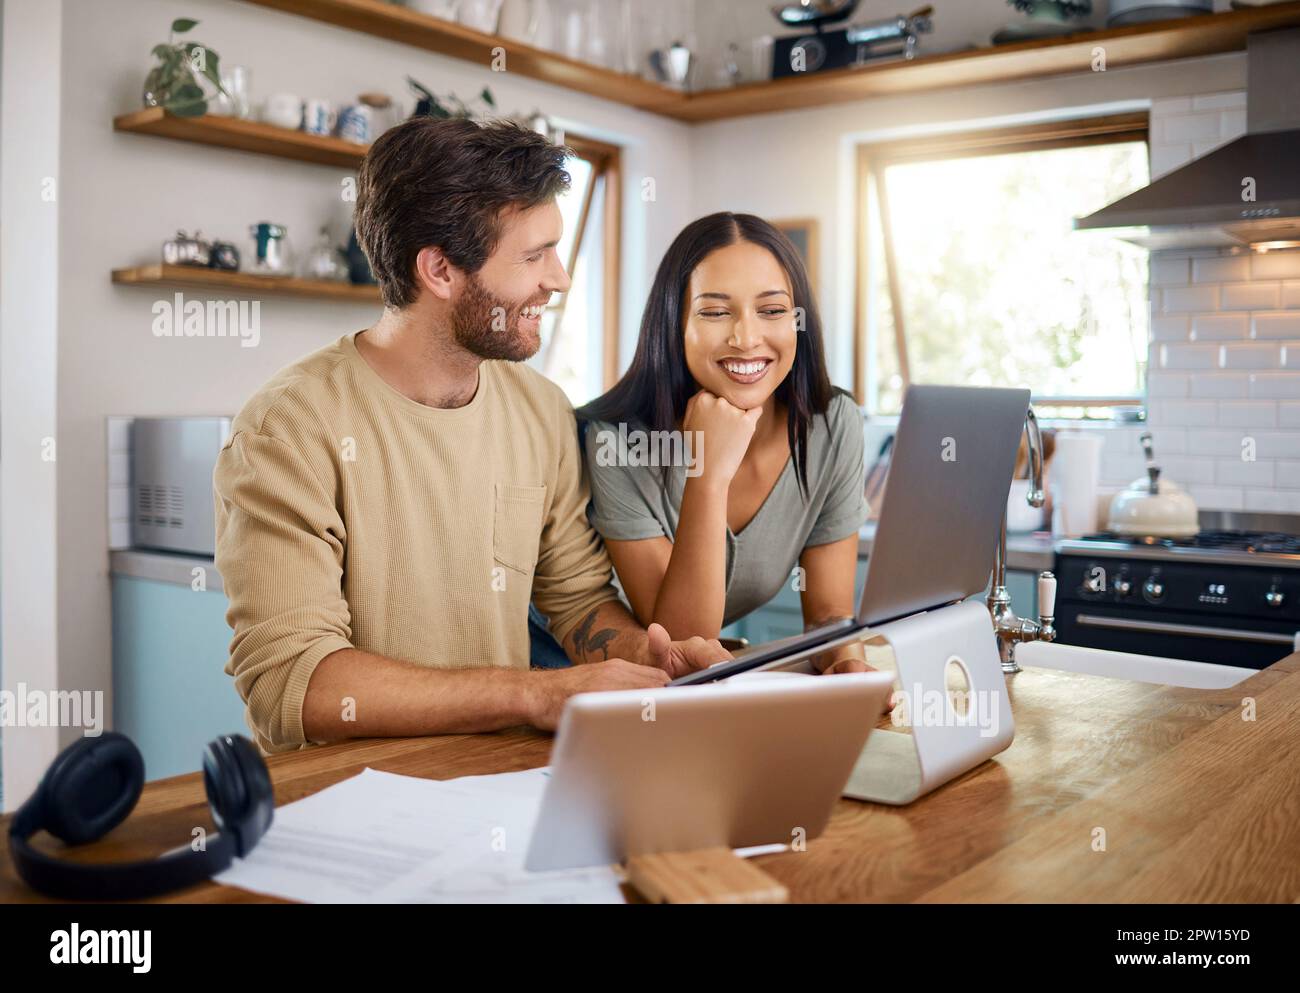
(239, 789)
(91, 788)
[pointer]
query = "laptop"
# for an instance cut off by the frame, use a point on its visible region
(953, 459)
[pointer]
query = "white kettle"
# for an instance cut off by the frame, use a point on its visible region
(1152, 507)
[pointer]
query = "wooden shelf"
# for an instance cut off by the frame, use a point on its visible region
(387, 20)
(244, 284)
(1138, 44)
(247, 136)
(1208, 34)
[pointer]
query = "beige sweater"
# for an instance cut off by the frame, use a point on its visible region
(349, 515)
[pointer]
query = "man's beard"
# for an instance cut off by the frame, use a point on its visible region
(488, 326)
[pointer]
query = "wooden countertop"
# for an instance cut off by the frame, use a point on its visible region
(1196, 804)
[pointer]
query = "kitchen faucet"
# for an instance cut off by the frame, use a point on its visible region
(1010, 629)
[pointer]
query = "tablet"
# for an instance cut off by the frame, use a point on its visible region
(755, 760)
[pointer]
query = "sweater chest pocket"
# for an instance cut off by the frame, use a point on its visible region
(517, 525)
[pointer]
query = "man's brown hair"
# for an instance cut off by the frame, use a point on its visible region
(444, 183)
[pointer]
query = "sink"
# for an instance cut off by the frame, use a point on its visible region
(1125, 665)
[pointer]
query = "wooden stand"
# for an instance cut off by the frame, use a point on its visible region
(708, 875)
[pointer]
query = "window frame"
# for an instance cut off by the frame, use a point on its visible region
(872, 188)
(606, 162)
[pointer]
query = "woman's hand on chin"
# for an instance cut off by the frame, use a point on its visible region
(726, 431)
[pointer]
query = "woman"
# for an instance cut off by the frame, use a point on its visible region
(730, 355)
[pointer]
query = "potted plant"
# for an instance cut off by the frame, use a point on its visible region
(176, 82)
(431, 105)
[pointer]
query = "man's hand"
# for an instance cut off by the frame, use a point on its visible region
(548, 691)
(849, 664)
(677, 658)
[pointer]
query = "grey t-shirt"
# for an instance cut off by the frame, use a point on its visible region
(630, 503)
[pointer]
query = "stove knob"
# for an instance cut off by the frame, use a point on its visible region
(1274, 597)
(1123, 586)
(1153, 589)
(1095, 581)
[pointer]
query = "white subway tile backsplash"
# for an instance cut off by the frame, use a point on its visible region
(1250, 296)
(1271, 501)
(1165, 158)
(1200, 149)
(1188, 469)
(1218, 497)
(1169, 106)
(1247, 414)
(1225, 443)
(1224, 386)
(1190, 299)
(1183, 413)
(1174, 356)
(1275, 265)
(1223, 269)
(119, 469)
(119, 534)
(1228, 100)
(1190, 127)
(119, 433)
(1276, 444)
(1274, 386)
(1169, 271)
(1220, 327)
(1252, 355)
(1236, 472)
(1224, 372)
(1167, 385)
(1176, 327)
(1288, 474)
(1232, 123)
(1167, 441)
(119, 502)
(1275, 325)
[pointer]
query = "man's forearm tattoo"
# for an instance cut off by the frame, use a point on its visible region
(585, 641)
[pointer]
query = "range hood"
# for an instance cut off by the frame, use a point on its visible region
(1201, 205)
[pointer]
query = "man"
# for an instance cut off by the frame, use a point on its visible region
(388, 506)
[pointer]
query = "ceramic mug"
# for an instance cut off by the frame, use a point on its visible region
(318, 116)
(355, 123)
(283, 110)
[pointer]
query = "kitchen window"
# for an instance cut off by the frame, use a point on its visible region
(970, 271)
(580, 328)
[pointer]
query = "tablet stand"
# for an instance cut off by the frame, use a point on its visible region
(707, 875)
(946, 739)
(897, 767)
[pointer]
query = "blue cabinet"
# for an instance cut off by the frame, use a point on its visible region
(171, 695)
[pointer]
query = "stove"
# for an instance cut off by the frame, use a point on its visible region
(1229, 595)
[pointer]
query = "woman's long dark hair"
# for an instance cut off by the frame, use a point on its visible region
(654, 390)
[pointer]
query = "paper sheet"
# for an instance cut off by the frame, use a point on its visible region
(380, 837)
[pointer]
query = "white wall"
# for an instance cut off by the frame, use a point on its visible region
(29, 300)
(121, 195)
